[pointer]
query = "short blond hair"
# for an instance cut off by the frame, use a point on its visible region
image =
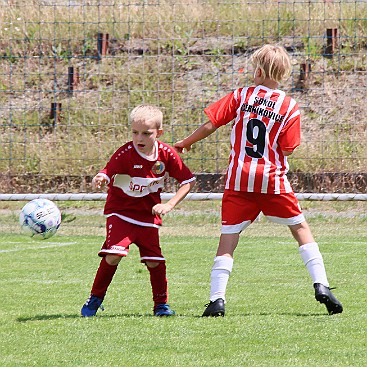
(273, 61)
(147, 113)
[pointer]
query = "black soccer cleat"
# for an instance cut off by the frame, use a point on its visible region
(323, 295)
(214, 308)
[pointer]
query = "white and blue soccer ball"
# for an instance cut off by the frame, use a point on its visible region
(40, 218)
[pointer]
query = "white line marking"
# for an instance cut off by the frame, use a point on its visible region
(50, 245)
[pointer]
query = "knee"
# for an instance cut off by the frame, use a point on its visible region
(152, 264)
(113, 259)
(302, 233)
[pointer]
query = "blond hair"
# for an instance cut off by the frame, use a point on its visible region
(273, 61)
(143, 113)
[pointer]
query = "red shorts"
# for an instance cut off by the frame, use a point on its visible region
(121, 234)
(240, 209)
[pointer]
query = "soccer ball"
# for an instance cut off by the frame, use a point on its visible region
(40, 218)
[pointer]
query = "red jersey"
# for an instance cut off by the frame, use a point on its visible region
(135, 182)
(266, 122)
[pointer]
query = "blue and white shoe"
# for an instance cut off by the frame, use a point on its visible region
(91, 306)
(163, 309)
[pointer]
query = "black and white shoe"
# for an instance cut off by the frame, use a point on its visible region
(214, 308)
(323, 295)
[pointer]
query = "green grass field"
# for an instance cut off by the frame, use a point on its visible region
(271, 317)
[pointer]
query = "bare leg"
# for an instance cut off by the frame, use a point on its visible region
(302, 233)
(227, 244)
(222, 266)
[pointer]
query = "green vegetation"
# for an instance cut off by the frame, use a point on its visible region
(180, 57)
(272, 318)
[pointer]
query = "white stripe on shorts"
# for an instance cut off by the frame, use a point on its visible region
(235, 228)
(152, 258)
(287, 221)
(112, 252)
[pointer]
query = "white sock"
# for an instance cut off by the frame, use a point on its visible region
(221, 269)
(312, 258)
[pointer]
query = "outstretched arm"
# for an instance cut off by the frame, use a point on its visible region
(99, 181)
(200, 133)
(164, 208)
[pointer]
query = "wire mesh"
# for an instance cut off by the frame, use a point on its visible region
(72, 70)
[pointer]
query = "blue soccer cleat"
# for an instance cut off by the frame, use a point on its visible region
(91, 306)
(163, 309)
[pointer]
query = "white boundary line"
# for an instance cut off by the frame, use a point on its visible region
(51, 245)
(167, 196)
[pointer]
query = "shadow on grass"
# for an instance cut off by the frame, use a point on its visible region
(136, 315)
(295, 314)
(271, 314)
(76, 316)
(46, 317)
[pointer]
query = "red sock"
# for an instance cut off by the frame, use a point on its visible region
(103, 278)
(158, 281)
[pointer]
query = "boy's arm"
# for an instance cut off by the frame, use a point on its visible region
(164, 208)
(99, 180)
(200, 133)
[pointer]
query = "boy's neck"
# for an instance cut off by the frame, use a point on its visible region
(268, 83)
(152, 153)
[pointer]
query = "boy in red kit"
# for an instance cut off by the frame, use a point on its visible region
(135, 177)
(265, 130)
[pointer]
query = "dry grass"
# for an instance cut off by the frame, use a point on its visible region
(180, 56)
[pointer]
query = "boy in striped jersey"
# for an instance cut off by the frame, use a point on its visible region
(265, 130)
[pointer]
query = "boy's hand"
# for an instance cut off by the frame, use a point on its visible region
(181, 147)
(162, 209)
(99, 181)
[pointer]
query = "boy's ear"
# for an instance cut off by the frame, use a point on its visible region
(160, 132)
(257, 73)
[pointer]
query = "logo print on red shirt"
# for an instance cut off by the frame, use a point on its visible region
(158, 167)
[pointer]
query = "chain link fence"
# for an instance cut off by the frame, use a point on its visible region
(72, 70)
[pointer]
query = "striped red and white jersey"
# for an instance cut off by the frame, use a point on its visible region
(266, 122)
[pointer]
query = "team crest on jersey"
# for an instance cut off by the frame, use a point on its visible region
(158, 167)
